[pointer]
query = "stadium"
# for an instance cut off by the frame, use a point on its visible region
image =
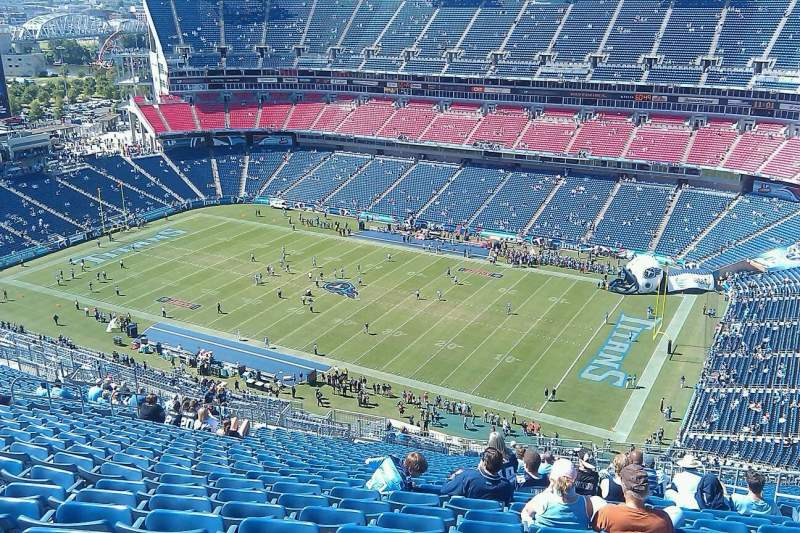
(347, 243)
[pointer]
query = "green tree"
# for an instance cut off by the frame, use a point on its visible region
(58, 107)
(89, 87)
(35, 111)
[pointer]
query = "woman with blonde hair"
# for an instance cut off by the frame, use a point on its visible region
(611, 487)
(559, 505)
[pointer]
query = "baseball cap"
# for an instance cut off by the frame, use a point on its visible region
(634, 479)
(563, 468)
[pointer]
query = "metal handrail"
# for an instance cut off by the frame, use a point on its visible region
(49, 396)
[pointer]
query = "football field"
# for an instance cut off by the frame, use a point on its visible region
(464, 345)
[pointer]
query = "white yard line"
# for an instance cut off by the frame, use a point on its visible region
(382, 376)
(519, 339)
(553, 342)
(585, 347)
(460, 331)
(123, 238)
(630, 413)
(429, 302)
(367, 303)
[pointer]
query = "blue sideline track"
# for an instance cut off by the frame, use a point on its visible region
(231, 351)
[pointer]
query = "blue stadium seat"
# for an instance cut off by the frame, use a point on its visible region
(122, 485)
(410, 522)
(182, 490)
(447, 515)
(238, 483)
(777, 529)
(11, 508)
(283, 487)
(234, 512)
(329, 519)
(179, 503)
(272, 525)
(111, 497)
(474, 526)
(517, 507)
(241, 495)
(182, 479)
(43, 492)
(752, 522)
(125, 472)
(350, 528)
(400, 498)
(352, 493)
(481, 515)
(371, 509)
(82, 516)
(690, 516)
(720, 525)
(460, 505)
(164, 520)
(294, 503)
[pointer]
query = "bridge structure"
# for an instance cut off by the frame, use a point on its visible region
(73, 26)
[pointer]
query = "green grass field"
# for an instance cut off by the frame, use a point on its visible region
(465, 346)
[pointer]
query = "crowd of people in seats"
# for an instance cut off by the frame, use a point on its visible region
(567, 496)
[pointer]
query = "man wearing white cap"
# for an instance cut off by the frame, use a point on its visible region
(684, 484)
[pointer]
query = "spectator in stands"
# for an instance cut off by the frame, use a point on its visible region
(483, 482)
(753, 503)
(41, 390)
(611, 487)
(530, 478)
(654, 478)
(232, 427)
(151, 410)
(684, 484)
(413, 465)
(588, 480)
(136, 400)
(547, 463)
(633, 516)
(58, 391)
(559, 505)
(95, 391)
(5, 399)
(710, 494)
(206, 420)
(105, 398)
(174, 412)
(510, 463)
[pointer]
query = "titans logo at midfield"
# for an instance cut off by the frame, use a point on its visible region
(342, 288)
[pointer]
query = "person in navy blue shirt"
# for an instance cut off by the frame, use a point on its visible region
(484, 482)
(530, 479)
(510, 463)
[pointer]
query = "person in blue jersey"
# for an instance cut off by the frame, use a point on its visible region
(413, 465)
(483, 482)
(95, 391)
(510, 462)
(753, 503)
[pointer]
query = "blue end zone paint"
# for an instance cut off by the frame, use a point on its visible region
(396, 238)
(231, 351)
